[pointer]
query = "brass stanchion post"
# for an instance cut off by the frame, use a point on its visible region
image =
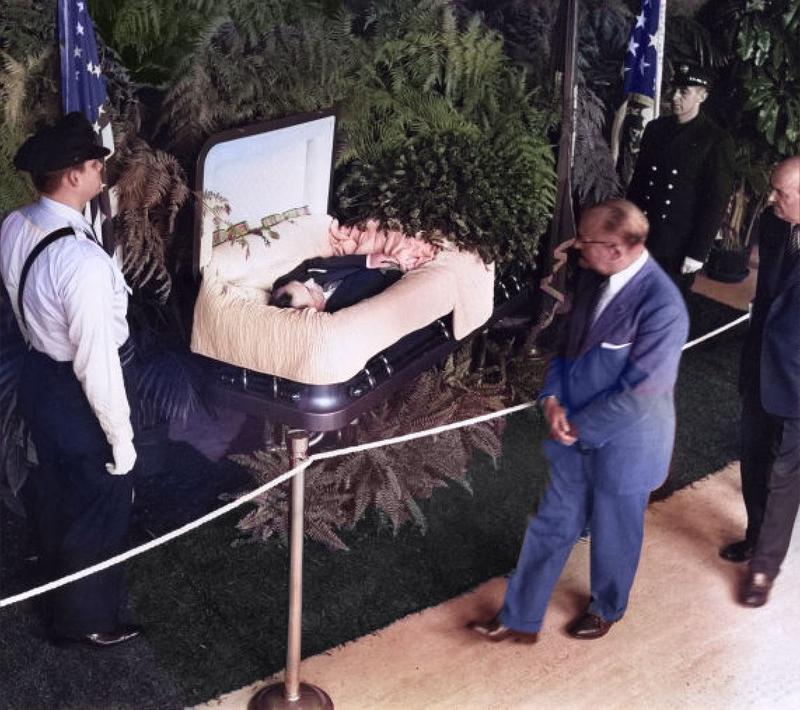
(292, 694)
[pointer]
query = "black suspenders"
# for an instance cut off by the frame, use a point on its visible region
(26, 267)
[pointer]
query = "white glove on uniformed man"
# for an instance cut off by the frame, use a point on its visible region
(124, 458)
(691, 265)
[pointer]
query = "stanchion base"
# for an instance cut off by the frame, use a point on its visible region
(273, 697)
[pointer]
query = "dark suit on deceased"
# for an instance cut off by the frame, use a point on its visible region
(615, 377)
(348, 277)
(770, 387)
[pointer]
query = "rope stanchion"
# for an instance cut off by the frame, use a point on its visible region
(292, 693)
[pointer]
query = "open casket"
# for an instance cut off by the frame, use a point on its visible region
(264, 211)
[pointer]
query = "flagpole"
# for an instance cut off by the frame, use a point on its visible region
(660, 41)
(562, 226)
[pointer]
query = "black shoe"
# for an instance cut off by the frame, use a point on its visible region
(755, 589)
(740, 551)
(102, 639)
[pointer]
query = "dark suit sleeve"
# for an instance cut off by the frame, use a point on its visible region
(648, 376)
(636, 187)
(716, 182)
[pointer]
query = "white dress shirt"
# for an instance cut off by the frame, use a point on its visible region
(615, 283)
(75, 302)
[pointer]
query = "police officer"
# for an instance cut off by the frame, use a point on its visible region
(70, 300)
(683, 179)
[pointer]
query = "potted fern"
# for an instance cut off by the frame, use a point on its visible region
(729, 256)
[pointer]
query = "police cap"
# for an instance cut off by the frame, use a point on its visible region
(69, 142)
(687, 75)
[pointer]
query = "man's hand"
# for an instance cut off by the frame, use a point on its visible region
(560, 428)
(691, 265)
(124, 458)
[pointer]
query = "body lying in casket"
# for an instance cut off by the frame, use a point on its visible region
(264, 216)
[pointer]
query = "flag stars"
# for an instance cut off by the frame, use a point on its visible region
(643, 65)
(632, 47)
(640, 21)
(653, 39)
(96, 70)
(80, 6)
(90, 67)
(77, 52)
(79, 28)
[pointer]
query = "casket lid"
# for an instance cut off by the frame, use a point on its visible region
(262, 170)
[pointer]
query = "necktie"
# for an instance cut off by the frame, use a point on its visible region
(601, 301)
(583, 317)
(793, 245)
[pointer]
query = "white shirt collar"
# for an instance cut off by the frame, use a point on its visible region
(618, 280)
(75, 218)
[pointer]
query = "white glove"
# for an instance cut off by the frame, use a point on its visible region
(124, 458)
(691, 265)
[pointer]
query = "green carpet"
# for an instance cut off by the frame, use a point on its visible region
(215, 615)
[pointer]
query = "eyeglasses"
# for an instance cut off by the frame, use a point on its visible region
(583, 242)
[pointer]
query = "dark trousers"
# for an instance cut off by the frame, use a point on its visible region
(770, 468)
(81, 512)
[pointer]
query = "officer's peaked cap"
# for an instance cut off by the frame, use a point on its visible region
(69, 142)
(688, 75)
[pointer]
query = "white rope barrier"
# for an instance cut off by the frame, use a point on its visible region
(247, 497)
(719, 330)
(214, 514)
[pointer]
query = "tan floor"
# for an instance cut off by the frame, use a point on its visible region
(685, 642)
(736, 295)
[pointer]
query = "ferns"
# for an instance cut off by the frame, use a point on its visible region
(151, 190)
(239, 73)
(390, 479)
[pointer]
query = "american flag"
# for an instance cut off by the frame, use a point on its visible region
(645, 48)
(83, 88)
(644, 59)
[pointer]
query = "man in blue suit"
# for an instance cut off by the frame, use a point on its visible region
(769, 383)
(608, 400)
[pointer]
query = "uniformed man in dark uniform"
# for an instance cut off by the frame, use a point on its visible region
(71, 300)
(683, 179)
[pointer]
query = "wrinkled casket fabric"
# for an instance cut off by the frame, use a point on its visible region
(234, 324)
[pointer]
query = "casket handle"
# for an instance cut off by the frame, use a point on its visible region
(385, 361)
(370, 378)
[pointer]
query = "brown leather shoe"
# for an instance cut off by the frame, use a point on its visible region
(493, 630)
(755, 589)
(589, 626)
(740, 551)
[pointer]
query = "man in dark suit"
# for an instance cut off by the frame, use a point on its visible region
(683, 179)
(332, 283)
(769, 383)
(608, 400)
